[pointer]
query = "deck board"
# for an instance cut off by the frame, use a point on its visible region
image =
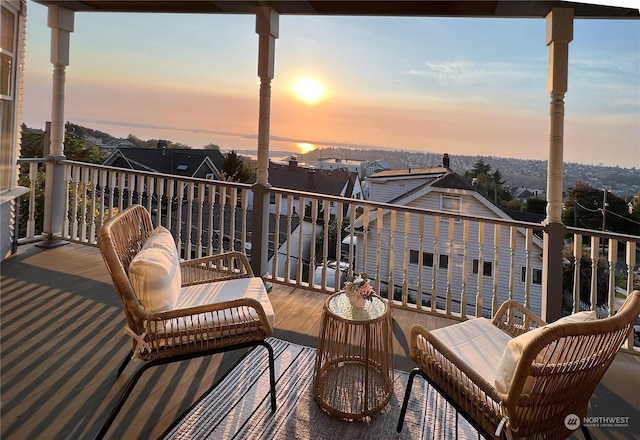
(62, 341)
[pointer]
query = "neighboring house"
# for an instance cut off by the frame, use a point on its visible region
(523, 193)
(375, 166)
(187, 162)
(293, 176)
(440, 189)
(354, 166)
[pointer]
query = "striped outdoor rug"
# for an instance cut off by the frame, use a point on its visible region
(239, 407)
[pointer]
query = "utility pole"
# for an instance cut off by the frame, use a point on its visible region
(604, 209)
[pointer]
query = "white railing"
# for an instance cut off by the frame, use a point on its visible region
(31, 172)
(448, 264)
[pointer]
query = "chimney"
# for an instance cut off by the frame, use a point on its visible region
(162, 144)
(445, 161)
(293, 163)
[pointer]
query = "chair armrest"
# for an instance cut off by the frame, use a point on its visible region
(515, 319)
(233, 313)
(225, 266)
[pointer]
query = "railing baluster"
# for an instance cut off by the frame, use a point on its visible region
(420, 260)
(434, 262)
(613, 260)
(405, 258)
(497, 241)
(481, 238)
(233, 205)
(314, 233)
(512, 261)
(577, 272)
(379, 227)
(287, 258)
(391, 260)
(276, 235)
(595, 244)
(450, 241)
(301, 240)
(465, 268)
(201, 207)
(527, 252)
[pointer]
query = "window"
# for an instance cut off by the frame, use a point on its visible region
(427, 258)
(443, 261)
(536, 276)
(487, 268)
(7, 46)
(450, 203)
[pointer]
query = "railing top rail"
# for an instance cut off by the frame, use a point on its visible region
(604, 234)
(32, 160)
(156, 174)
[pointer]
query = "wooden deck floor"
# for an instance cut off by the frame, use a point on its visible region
(62, 340)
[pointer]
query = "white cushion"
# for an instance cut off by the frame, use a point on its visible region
(219, 291)
(477, 342)
(154, 272)
(513, 351)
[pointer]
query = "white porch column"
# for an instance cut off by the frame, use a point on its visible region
(558, 36)
(60, 20)
(267, 28)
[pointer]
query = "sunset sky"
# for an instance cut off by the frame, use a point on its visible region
(461, 86)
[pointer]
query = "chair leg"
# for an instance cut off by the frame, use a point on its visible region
(586, 433)
(272, 375)
(124, 363)
(405, 401)
(123, 397)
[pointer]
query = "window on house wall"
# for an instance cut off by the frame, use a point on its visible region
(450, 203)
(427, 258)
(8, 72)
(536, 275)
(487, 268)
(443, 261)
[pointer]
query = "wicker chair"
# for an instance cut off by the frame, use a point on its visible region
(239, 321)
(555, 373)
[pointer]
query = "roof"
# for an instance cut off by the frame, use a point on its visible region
(175, 161)
(410, 172)
(330, 182)
(425, 8)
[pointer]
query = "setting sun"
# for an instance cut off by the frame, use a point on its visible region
(308, 90)
(304, 147)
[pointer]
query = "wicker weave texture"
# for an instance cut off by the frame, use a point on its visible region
(353, 375)
(565, 362)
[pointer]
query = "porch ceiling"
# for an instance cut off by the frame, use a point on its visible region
(480, 8)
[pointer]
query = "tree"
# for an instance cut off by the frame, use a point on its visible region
(236, 168)
(490, 185)
(211, 147)
(32, 145)
(593, 208)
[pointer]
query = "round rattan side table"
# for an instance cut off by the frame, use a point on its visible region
(353, 376)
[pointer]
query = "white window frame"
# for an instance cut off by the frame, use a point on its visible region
(449, 203)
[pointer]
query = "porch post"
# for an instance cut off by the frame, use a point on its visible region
(558, 36)
(267, 28)
(61, 21)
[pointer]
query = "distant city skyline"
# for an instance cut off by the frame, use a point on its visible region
(461, 86)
